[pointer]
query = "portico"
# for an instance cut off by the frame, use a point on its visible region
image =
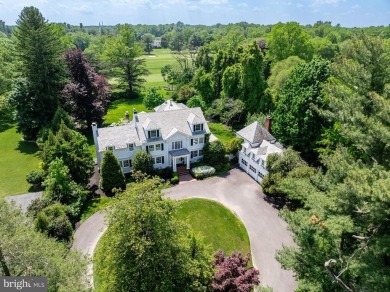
(180, 156)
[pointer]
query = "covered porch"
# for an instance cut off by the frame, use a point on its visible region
(181, 157)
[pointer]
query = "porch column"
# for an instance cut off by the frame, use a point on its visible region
(174, 164)
(188, 161)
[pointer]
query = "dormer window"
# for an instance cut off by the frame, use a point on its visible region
(153, 134)
(198, 127)
(111, 148)
(131, 147)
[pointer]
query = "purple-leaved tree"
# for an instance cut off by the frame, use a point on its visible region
(86, 96)
(232, 273)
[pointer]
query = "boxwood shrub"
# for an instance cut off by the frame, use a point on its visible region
(203, 171)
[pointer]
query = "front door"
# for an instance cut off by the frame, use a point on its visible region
(180, 161)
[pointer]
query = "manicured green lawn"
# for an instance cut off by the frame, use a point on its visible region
(93, 206)
(220, 228)
(222, 132)
(17, 158)
(117, 109)
(154, 62)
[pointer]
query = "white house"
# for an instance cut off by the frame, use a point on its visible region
(258, 144)
(173, 135)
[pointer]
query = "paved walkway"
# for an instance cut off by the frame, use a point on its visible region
(237, 191)
(23, 201)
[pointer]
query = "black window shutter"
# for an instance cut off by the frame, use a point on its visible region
(147, 149)
(148, 134)
(201, 127)
(130, 162)
(158, 133)
(162, 146)
(162, 159)
(192, 142)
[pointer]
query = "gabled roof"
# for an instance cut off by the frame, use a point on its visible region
(168, 122)
(194, 119)
(149, 125)
(169, 105)
(255, 134)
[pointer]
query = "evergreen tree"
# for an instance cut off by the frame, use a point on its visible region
(111, 175)
(72, 148)
(143, 162)
(123, 52)
(38, 49)
(86, 96)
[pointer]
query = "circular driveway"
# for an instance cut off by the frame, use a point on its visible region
(241, 194)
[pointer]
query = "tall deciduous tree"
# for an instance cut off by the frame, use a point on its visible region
(25, 252)
(147, 40)
(253, 82)
(38, 48)
(86, 96)
(146, 249)
(289, 39)
(297, 122)
(111, 175)
(123, 53)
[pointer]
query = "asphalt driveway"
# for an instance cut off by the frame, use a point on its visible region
(23, 201)
(241, 194)
(267, 231)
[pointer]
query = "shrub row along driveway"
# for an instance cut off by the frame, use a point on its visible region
(267, 231)
(238, 192)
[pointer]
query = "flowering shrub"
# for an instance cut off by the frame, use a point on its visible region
(203, 171)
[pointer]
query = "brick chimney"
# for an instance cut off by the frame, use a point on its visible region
(268, 122)
(127, 116)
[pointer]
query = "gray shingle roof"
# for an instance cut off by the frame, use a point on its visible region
(168, 122)
(255, 134)
(169, 105)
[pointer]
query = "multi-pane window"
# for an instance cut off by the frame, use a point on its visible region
(244, 162)
(158, 160)
(200, 152)
(194, 154)
(125, 163)
(261, 175)
(154, 134)
(131, 147)
(262, 163)
(151, 147)
(198, 127)
(252, 168)
(177, 145)
(201, 140)
(110, 148)
(158, 147)
(196, 141)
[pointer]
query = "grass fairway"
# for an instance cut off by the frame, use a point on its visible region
(223, 133)
(220, 228)
(17, 158)
(154, 62)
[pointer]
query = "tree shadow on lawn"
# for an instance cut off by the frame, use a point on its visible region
(27, 147)
(6, 123)
(279, 202)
